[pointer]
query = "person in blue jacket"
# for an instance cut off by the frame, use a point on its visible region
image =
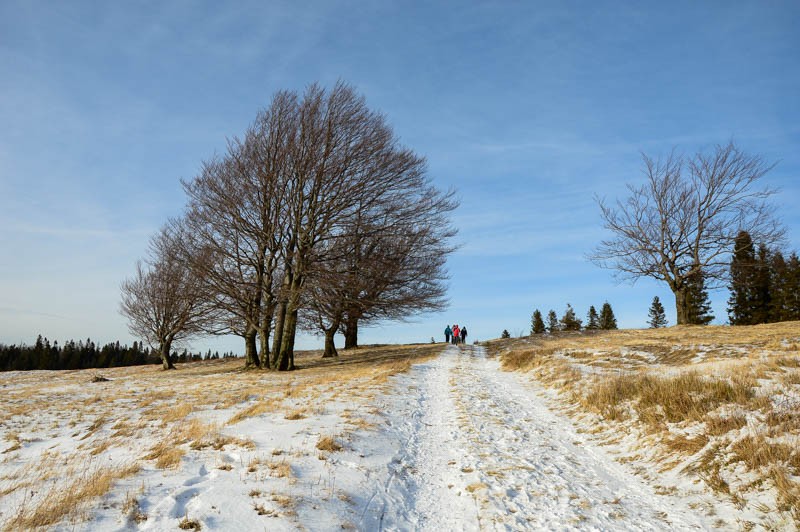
(447, 333)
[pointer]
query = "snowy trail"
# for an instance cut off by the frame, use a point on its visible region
(481, 451)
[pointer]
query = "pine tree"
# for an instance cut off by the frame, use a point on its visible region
(778, 288)
(743, 272)
(592, 319)
(537, 324)
(761, 298)
(552, 322)
(793, 288)
(657, 316)
(607, 319)
(505, 334)
(699, 308)
(570, 322)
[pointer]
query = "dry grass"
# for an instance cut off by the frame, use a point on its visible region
(166, 454)
(718, 425)
(660, 399)
(686, 445)
(255, 409)
(757, 452)
(472, 488)
(189, 524)
(94, 427)
(329, 443)
(68, 498)
(124, 429)
(299, 413)
(177, 413)
(280, 469)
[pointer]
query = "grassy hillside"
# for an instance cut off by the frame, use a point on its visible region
(718, 405)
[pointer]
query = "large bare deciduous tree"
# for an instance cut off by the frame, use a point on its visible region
(164, 300)
(683, 221)
(316, 208)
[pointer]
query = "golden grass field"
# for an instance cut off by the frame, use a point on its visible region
(720, 404)
(60, 428)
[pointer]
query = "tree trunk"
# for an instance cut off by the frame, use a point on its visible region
(286, 355)
(682, 305)
(351, 333)
(166, 361)
(263, 353)
(330, 347)
(263, 335)
(280, 318)
(277, 334)
(250, 348)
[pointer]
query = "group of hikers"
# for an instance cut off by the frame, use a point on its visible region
(456, 335)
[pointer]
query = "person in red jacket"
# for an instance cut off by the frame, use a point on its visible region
(456, 333)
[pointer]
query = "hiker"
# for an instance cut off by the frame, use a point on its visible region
(456, 332)
(463, 335)
(447, 334)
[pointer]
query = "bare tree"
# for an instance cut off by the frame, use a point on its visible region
(274, 215)
(683, 221)
(345, 161)
(236, 209)
(164, 301)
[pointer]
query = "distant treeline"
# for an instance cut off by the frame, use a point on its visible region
(87, 354)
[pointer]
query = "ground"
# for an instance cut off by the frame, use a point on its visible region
(429, 437)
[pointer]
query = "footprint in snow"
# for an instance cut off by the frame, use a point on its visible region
(182, 500)
(203, 473)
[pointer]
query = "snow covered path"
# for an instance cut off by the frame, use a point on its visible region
(480, 450)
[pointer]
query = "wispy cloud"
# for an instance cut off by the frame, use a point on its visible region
(77, 232)
(15, 312)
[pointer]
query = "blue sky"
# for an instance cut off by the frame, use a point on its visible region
(528, 109)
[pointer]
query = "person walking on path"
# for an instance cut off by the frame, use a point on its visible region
(447, 334)
(463, 335)
(456, 332)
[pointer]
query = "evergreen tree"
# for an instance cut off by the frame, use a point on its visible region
(657, 316)
(778, 288)
(743, 275)
(607, 319)
(592, 319)
(699, 308)
(570, 322)
(761, 299)
(793, 288)
(505, 334)
(743, 268)
(552, 322)
(537, 323)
